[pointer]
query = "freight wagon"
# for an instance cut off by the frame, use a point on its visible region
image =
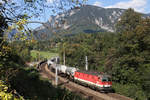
(95, 80)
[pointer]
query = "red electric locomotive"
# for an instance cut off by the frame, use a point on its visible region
(95, 80)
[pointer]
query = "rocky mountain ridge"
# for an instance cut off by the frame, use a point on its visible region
(84, 19)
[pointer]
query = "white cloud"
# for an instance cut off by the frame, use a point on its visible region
(138, 5)
(97, 3)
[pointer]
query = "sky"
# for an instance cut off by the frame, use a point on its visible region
(142, 6)
(138, 5)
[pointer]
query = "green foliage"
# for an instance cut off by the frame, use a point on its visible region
(124, 55)
(21, 49)
(129, 21)
(132, 60)
(3, 23)
(28, 83)
(95, 46)
(5, 93)
(130, 90)
(14, 54)
(9, 62)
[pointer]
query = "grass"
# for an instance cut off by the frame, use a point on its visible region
(44, 54)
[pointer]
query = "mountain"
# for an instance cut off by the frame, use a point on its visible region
(84, 19)
(146, 15)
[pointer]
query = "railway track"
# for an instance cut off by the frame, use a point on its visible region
(86, 92)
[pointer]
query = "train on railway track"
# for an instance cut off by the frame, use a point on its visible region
(95, 80)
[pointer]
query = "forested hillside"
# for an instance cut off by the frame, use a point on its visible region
(18, 81)
(123, 51)
(123, 54)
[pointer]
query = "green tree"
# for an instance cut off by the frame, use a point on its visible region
(3, 26)
(17, 14)
(131, 56)
(128, 21)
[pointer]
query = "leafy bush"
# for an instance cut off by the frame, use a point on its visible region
(130, 90)
(28, 83)
(6, 94)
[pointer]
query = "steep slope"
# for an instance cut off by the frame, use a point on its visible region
(86, 19)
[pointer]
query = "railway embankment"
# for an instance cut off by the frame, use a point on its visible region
(85, 91)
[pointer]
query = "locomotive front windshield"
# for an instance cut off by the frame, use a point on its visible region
(105, 79)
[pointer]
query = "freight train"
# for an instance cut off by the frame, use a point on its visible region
(95, 80)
